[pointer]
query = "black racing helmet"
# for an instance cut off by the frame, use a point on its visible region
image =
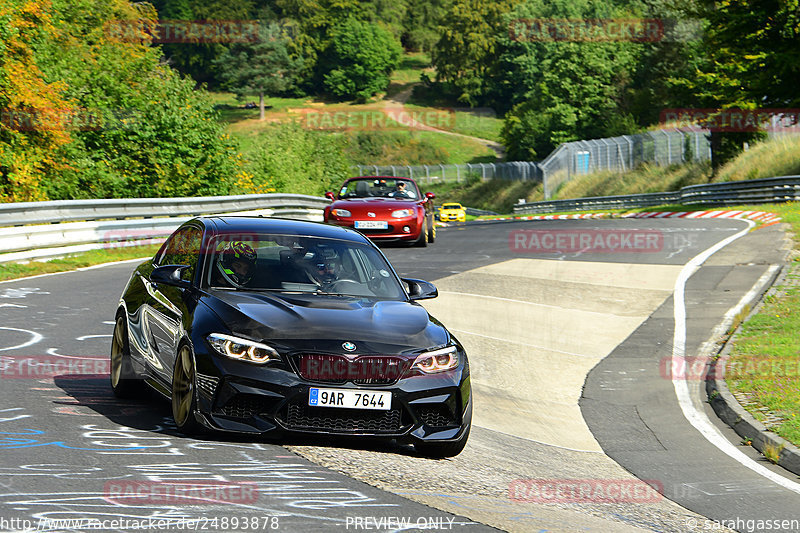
(233, 252)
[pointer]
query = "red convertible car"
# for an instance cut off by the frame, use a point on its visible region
(384, 209)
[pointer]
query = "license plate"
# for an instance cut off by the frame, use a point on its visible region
(371, 224)
(350, 399)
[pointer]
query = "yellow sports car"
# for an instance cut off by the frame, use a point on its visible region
(452, 211)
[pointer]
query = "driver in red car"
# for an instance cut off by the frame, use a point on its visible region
(400, 191)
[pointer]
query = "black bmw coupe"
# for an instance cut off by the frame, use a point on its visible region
(275, 327)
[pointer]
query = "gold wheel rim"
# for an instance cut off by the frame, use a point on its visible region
(117, 348)
(183, 391)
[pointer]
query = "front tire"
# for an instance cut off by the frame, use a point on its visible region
(431, 231)
(184, 397)
(422, 240)
(123, 382)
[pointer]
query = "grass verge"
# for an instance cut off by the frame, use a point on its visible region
(493, 195)
(72, 262)
(764, 367)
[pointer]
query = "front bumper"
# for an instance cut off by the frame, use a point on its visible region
(394, 231)
(238, 397)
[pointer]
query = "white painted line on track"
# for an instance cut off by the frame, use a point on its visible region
(86, 337)
(35, 337)
(697, 418)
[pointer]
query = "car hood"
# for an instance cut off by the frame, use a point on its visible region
(320, 323)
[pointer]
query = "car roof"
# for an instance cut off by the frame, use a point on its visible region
(280, 226)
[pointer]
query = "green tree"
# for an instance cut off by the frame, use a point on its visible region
(752, 52)
(310, 22)
(293, 159)
(566, 89)
(391, 14)
(198, 59)
(153, 133)
(423, 18)
(362, 57)
(26, 154)
(263, 67)
(466, 53)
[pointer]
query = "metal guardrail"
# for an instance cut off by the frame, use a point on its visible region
(38, 230)
(765, 190)
(478, 212)
(26, 213)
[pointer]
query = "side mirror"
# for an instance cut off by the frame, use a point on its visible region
(170, 275)
(329, 196)
(420, 290)
(430, 195)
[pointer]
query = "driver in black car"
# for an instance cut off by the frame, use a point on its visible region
(235, 265)
(327, 266)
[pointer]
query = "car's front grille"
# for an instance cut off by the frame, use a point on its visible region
(364, 370)
(438, 415)
(335, 420)
(245, 406)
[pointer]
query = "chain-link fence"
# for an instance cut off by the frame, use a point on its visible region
(515, 170)
(662, 147)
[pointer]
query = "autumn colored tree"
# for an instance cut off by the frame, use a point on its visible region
(30, 137)
(104, 117)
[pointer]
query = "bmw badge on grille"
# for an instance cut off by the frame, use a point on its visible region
(349, 346)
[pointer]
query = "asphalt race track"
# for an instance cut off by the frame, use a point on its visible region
(567, 350)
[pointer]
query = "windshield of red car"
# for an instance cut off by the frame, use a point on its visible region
(380, 188)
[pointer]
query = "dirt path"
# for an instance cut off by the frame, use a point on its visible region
(394, 108)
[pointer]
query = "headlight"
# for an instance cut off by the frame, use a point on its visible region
(437, 360)
(402, 213)
(242, 349)
(340, 212)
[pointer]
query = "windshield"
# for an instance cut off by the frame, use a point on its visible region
(451, 206)
(288, 263)
(380, 188)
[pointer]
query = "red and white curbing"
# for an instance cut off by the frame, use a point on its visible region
(760, 216)
(554, 217)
